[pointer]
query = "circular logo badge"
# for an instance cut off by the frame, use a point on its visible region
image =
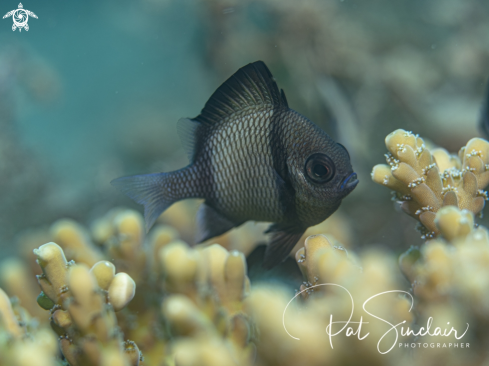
(20, 18)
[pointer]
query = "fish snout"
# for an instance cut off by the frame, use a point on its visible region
(349, 183)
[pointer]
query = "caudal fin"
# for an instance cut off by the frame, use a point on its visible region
(150, 190)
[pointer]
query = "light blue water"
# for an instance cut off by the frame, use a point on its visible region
(109, 58)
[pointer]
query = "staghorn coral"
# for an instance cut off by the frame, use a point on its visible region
(317, 255)
(208, 286)
(82, 312)
(169, 274)
(194, 306)
(75, 241)
(449, 282)
(22, 341)
(8, 318)
(202, 290)
(449, 278)
(323, 263)
(425, 180)
(17, 280)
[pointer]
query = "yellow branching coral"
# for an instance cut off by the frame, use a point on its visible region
(322, 262)
(197, 339)
(426, 181)
(178, 267)
(102, 229)
(203, 290)
(195, 306)
(208, 285)
(160, 236)
(121, 290)
(127, 248)
(17, 281)
(456, 267)
(88, 328)
(82, 303)
(225, 274)
(22, 342)
(450, 279)
(453, 223)
(104, 273)
(212, 269)
(75, 241)
(53, 280)
(205, 351)
(8, 320)
(331, 275)
(185, 319)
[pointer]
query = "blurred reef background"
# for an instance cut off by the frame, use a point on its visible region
(93, 91)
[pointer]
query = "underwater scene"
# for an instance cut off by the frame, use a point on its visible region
(244, 183)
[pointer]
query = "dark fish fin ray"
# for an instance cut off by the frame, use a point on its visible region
(149, 190)
(238, 94)
(282, 242)
(284, 98)
(286, 273)
(484, 116)
(251, 86)
(245, 90)
(262, 97)
(189, 132)
(211, 223)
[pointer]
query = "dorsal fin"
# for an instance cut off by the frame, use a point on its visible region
(251, 86)
(282, 93)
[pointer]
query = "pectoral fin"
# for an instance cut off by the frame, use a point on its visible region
(211, 223)
(281, 243)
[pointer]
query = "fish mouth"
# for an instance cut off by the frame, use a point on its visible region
(349, 182)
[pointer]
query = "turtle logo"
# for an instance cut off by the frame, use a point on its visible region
(20, 17)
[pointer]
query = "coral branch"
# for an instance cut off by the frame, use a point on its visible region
(425, 181)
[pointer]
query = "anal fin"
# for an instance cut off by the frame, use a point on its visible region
(211, 223)
(282, 242)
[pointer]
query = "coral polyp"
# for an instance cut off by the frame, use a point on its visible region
(425, 180)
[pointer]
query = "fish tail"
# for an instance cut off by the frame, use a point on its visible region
(151, 190)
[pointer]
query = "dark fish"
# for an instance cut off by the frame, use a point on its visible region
(251, 158)
(484, 117)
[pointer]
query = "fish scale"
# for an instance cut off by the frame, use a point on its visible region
(246, 178)
(251, 158)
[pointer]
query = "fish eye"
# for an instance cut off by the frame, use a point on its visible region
(347, 153)
(319, 168)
